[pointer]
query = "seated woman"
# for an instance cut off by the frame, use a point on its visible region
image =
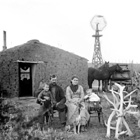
(74, 97)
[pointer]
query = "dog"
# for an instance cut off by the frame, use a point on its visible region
(82, 120)
(77, 125)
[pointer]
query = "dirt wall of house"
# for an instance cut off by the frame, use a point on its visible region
(56, 61)
(8, 74)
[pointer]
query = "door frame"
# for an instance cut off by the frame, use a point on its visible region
(32, 73)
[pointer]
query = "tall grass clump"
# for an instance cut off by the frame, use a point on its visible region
(17, 125)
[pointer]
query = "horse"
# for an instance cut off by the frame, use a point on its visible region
(103, 74)
(104, 66)
(96, 74)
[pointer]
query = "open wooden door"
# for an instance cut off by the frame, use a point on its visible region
(25, 79)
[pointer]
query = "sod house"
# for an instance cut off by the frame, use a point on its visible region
(24, 67)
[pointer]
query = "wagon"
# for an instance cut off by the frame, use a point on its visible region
(123, 78)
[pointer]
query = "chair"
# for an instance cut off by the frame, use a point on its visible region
(95, 107)
(93, 103)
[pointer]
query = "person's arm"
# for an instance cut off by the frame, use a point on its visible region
(37, 92)
(63, 98)
(40, 95)
(82, 93)
(68, 95)
(52, 99)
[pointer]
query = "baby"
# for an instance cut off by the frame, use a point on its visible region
(91, 96)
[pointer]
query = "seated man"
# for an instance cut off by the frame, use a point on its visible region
(59, 99)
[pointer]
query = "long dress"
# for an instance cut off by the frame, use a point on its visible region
(72, 98)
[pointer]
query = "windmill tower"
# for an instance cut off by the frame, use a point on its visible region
(98, 23)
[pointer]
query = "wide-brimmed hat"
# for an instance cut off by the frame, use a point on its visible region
(61, 107)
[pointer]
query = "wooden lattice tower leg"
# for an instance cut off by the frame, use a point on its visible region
(97, 59)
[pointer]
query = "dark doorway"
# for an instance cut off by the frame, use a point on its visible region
(25, 79)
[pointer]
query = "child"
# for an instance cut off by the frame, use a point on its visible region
(46, 106)
(91, 96)
(44, 94)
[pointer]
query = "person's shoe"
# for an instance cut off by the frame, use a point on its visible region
(82, 129)
(63, 124)
(67, 128)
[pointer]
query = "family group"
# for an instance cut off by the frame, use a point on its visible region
(65, 102)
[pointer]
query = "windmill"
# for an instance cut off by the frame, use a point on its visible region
(98, 23)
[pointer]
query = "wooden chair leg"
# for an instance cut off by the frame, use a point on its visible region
(99, 116)
(103, 120)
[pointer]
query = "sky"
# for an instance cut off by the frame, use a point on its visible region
(66, 24)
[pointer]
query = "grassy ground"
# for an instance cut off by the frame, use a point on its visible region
(96, 131)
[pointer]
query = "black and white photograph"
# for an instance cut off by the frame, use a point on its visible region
(69, 70)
